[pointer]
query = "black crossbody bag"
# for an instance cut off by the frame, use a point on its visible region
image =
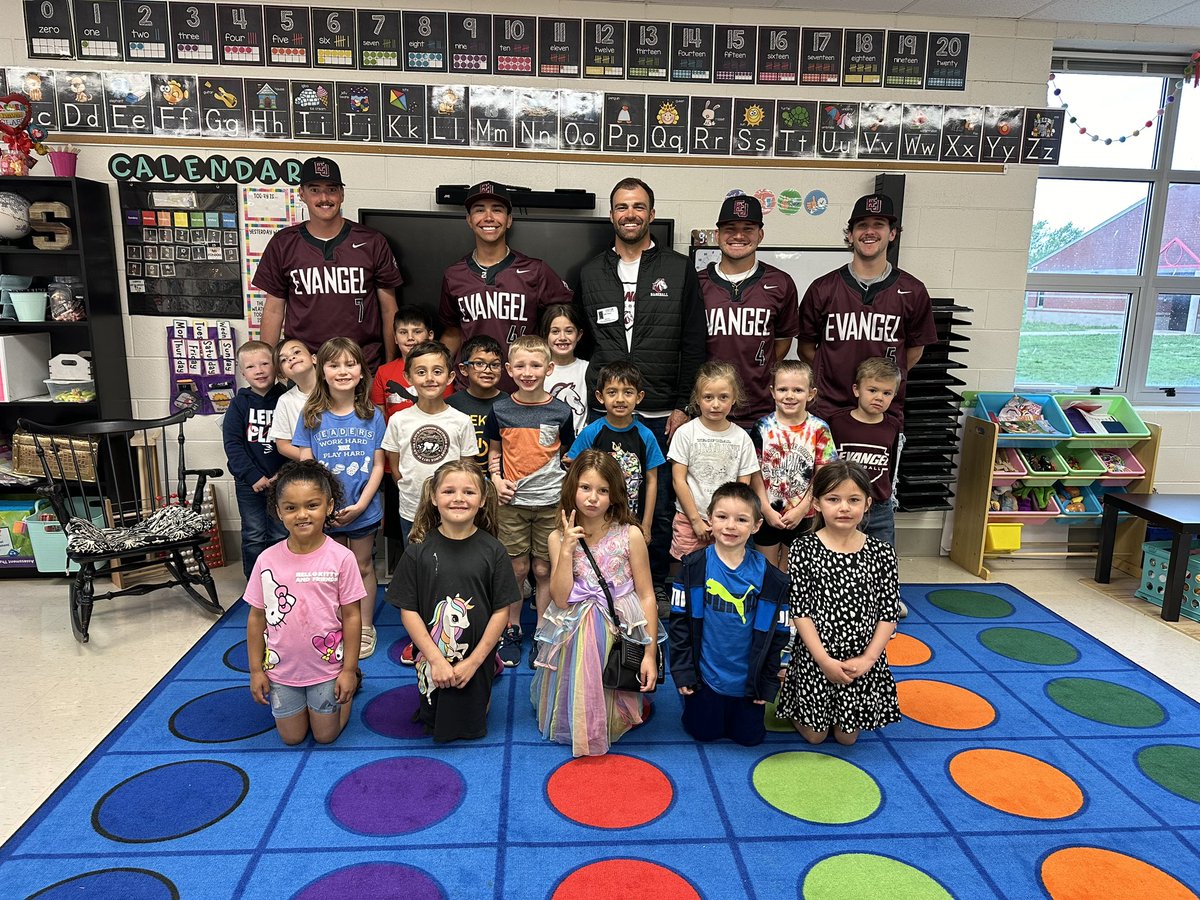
(623, 668)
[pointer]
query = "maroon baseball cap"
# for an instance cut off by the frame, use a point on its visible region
(487, 190)
(741, 208)
(318, 168)
(873, 205)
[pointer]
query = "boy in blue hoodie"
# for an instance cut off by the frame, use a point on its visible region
(253, 459)
(729, 623)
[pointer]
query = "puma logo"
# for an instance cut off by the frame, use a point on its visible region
(738, 603)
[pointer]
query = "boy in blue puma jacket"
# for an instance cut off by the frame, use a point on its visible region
(729, 623)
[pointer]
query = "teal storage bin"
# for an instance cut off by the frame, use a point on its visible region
(48, 538)
(988, 406)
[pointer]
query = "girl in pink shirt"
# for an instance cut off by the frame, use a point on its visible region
(305, 625)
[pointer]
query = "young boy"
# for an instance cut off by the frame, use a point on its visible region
(792, 444)
(481, 366)
(253, 461)
(391, 390)
(421, 437)
(529, 434)
(295, 361)
(628, 441)
(866, 435)
(729, 623)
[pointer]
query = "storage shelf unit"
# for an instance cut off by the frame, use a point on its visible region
(931, 410)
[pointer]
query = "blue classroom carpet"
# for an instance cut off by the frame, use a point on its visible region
(1033, 762)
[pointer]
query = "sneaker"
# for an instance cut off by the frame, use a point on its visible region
(408, 656)
(368, 642)
(663, 602)
(903, 610)
(510, 646)
(533, 654)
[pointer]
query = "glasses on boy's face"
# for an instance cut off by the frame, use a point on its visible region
(480, 366)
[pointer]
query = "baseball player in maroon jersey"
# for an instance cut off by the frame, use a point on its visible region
(329, 277)
(495, 290)
(866, 308)
(751, 307)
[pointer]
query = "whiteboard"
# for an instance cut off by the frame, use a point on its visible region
(804, 264)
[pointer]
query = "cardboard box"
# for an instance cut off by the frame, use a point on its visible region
(24, 362)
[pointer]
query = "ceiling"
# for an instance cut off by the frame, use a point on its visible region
(1161, 13)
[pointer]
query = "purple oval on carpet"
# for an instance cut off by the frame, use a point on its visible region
(374, 881)
(396, 796)
(390, 714)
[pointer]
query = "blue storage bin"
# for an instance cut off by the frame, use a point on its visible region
(988, 406)
(1092, 511)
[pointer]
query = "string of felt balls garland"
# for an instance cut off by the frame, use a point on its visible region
(1192, 71)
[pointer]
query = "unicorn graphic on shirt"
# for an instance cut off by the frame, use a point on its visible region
(451, 617)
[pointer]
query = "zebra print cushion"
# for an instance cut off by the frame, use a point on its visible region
(164, 526)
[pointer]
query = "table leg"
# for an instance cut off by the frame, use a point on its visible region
(1181, 543)
(1108, 540)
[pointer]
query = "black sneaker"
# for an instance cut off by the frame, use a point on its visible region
(664, 603)
(533, 653)
(509, 650)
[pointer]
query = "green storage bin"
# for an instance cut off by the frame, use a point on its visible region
(1038, 477)
(1089, 467)
(1117, 407)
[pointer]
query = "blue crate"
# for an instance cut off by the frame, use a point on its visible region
(988, 406)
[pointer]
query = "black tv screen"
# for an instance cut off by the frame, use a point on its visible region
(425, 243)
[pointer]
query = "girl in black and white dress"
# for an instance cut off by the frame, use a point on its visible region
(845, 601)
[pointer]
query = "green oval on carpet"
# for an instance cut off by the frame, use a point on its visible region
(1029, 646)
(976, 604)
(853, 876)
(816, 787)
(1105, 702)
(1174, 767)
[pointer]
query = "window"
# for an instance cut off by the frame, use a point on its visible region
(1113, 292)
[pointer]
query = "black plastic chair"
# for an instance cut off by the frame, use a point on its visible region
(110, 485)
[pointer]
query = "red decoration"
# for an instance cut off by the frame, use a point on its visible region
(10, 121)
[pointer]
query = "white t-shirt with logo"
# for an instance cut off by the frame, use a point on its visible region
(628, 273)
(424, 442)
(569, 384)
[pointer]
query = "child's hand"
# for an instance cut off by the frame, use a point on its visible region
(345, 686)
(260, 687)
(505, 489)
(261, 485)
(464, 671)
(649, 673)
(792, 517)
(760, 702)
(772, 518)
(782, 673)
(572, 534)
(857, 666)
(833, 671)
(347, 514)
(702, 530)
(441, 673)
(687, 691)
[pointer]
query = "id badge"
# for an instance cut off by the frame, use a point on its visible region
(606, 316)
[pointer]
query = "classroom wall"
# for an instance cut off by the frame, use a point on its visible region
(966, 235)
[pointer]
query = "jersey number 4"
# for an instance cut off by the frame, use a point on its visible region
(761, 356)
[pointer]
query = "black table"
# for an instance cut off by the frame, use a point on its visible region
(1178, 512)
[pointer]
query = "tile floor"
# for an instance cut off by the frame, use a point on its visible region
(61, 698)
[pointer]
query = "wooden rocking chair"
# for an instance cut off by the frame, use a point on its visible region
(110, 486)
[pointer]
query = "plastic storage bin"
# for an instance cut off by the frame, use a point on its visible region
(1002, 537)
(1117, 407)
(1092, 511)
(1027, 517)
(1115, 476)
(1083, 465)
(1039, 476)
(1156, 558)
(71, 391)
(988, 406)
(48, 538)
(1002, 478)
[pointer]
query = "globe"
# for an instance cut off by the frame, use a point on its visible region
(14, 216)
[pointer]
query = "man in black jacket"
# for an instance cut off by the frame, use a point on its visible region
(641, 302)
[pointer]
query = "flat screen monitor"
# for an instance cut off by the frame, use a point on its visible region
(426, 243)
(804, 264)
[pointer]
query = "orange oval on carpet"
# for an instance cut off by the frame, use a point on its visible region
(1016, 783)
(1089, 873)
(644, 791)
(944, 705)
(620, 879)
(906, 650)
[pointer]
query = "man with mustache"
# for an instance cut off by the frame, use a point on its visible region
(641, 303)
(329, 277)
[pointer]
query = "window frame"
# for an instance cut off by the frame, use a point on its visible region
(1144, 289)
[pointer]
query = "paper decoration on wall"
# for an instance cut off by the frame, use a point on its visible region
(265, 210)
(815, 202)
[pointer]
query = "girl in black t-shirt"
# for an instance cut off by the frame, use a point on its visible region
(453, 587)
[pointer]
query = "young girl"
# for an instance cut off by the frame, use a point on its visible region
(794, 443)
(305, 594)
(845, 600)
(342, 429)
(577, 631)
(562, 327)
(453, 587)
(293, 361)
(706, 453)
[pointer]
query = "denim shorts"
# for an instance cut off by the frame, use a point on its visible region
(354, 534)
(287, 701)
